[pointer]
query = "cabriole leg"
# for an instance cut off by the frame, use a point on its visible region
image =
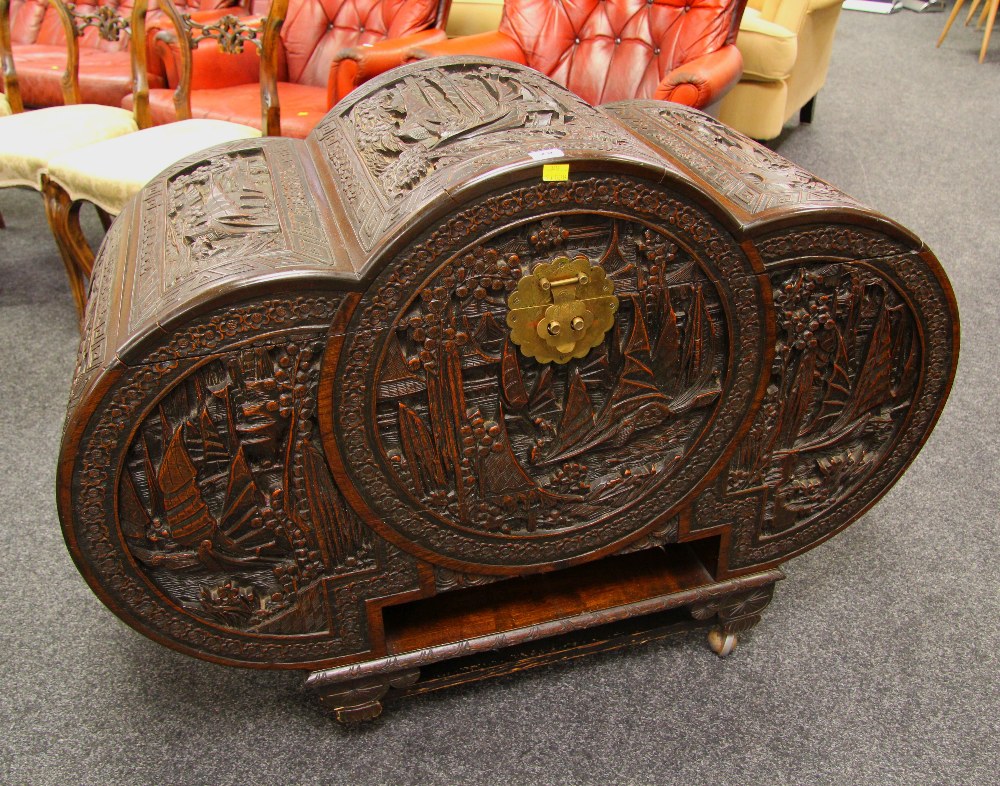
(105, 217)
(63, 215)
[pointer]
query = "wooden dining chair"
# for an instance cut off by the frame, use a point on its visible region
(108, 174)
(29, 139)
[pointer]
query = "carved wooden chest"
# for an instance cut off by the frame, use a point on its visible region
(479, 377)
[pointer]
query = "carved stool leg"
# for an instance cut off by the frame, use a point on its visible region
(735, 614)
(361, 700)
(64, 221)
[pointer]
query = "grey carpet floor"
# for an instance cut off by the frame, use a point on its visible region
(876, 664)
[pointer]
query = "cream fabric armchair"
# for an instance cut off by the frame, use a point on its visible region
(786, 47)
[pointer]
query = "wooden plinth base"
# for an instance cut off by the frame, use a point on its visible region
(483, 632)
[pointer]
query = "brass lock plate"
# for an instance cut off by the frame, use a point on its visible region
(561, 310)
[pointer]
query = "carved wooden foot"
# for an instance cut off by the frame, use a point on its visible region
(735, 614)
(64, 221)
(3, 224)
(361, 700)
(721, 643)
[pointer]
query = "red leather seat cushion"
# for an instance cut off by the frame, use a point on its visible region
(602, 50)
(302, 106)
(105, 77)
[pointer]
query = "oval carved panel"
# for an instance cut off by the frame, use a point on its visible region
(464, 450)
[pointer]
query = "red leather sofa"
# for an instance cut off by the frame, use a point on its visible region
(311, 78)
(610, 50)
(39, 49)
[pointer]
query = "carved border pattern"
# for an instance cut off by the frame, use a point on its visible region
(98, 465)
(93, 345)
(831, 242)
(753, 177)
(386, 295)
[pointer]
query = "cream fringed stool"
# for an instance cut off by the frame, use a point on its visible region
(109, 173)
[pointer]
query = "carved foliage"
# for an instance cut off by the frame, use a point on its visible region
(112, 504)
(230, 32)
(227, 501)
(755, 178)
(110, 25)
(847, 372)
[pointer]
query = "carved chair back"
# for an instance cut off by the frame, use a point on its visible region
(612, 50)
(233, 34)
(37, 22)
(110, 25)
(10, 86)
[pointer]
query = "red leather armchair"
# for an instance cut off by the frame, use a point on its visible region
(311, 78)
(39, 49)
(610, 50)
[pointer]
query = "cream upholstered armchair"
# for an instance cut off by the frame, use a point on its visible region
(786, 47)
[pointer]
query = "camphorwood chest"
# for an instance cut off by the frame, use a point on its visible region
(478, 377)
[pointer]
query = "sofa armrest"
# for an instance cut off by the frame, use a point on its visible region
(357, 64)
(769, 50)
(704, 80)
(493, 44)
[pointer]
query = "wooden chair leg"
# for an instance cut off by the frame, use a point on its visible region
(64, 221)
(972, 11)
(982, 16)
(105, 216)
(989, 28)
(951, 18)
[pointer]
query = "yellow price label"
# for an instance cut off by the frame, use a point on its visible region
(555, 172)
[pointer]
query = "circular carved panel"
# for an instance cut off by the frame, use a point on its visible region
(466, 451)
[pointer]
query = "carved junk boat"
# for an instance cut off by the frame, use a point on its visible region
(482, 377)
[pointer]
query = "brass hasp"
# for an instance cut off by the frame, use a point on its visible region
(561, 310)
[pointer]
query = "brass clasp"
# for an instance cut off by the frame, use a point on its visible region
(561, 310)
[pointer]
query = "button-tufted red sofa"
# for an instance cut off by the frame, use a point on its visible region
(611, 50)
(39, 49)
(311, 77)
